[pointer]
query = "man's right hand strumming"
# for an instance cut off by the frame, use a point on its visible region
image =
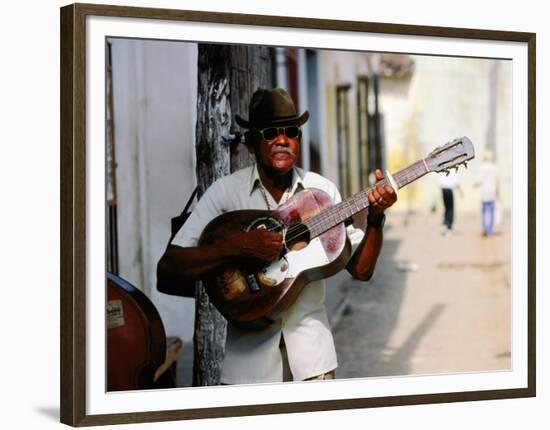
(259, 244)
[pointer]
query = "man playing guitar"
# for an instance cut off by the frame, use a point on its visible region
(299, 345)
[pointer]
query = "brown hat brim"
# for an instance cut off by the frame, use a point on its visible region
(293, 120)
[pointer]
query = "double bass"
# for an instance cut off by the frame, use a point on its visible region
(136, 340)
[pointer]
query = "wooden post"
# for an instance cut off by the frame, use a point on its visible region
(227, 77)
(250, 70)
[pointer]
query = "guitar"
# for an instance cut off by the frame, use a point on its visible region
(253, 295)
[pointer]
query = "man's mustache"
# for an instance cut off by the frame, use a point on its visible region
(281, 150)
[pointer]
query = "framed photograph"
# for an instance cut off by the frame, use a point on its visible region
(149, 101)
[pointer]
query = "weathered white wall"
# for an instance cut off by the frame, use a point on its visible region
(444, 98)
(340, 68)
(447, 98)
(154, 92)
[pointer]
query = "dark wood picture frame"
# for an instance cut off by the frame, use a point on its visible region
(73, 212)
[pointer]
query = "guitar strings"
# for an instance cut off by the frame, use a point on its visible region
(298, 230)
(320, 219)
(402, 177)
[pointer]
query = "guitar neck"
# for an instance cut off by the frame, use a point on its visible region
(356, 203)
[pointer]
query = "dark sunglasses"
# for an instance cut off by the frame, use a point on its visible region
(271, 133)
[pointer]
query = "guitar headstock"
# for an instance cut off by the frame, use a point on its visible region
(452, 154)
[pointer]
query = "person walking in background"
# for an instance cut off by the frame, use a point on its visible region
(448, 183)
(488, 183)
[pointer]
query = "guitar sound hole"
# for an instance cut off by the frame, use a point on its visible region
(297, 237)
(268, 223)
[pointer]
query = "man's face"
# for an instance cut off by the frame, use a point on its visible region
(277, 155)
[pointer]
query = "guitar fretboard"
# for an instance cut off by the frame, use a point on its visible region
(356, 203)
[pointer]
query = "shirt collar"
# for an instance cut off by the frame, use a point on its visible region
(297, 179)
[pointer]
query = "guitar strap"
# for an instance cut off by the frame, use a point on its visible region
(178, 221)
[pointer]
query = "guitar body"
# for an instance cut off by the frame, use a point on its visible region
(253, 295)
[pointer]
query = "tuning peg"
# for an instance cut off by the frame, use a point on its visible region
(465, 164)
(447, 172)
(456, 169)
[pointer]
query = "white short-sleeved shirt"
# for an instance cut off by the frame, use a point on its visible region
(449, 181)
(488, 178)
(254, 356)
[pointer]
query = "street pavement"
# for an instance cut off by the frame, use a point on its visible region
(436, 303)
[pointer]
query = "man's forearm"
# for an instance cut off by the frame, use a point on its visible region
(362, 263)
(179, 266)
(183, 266)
